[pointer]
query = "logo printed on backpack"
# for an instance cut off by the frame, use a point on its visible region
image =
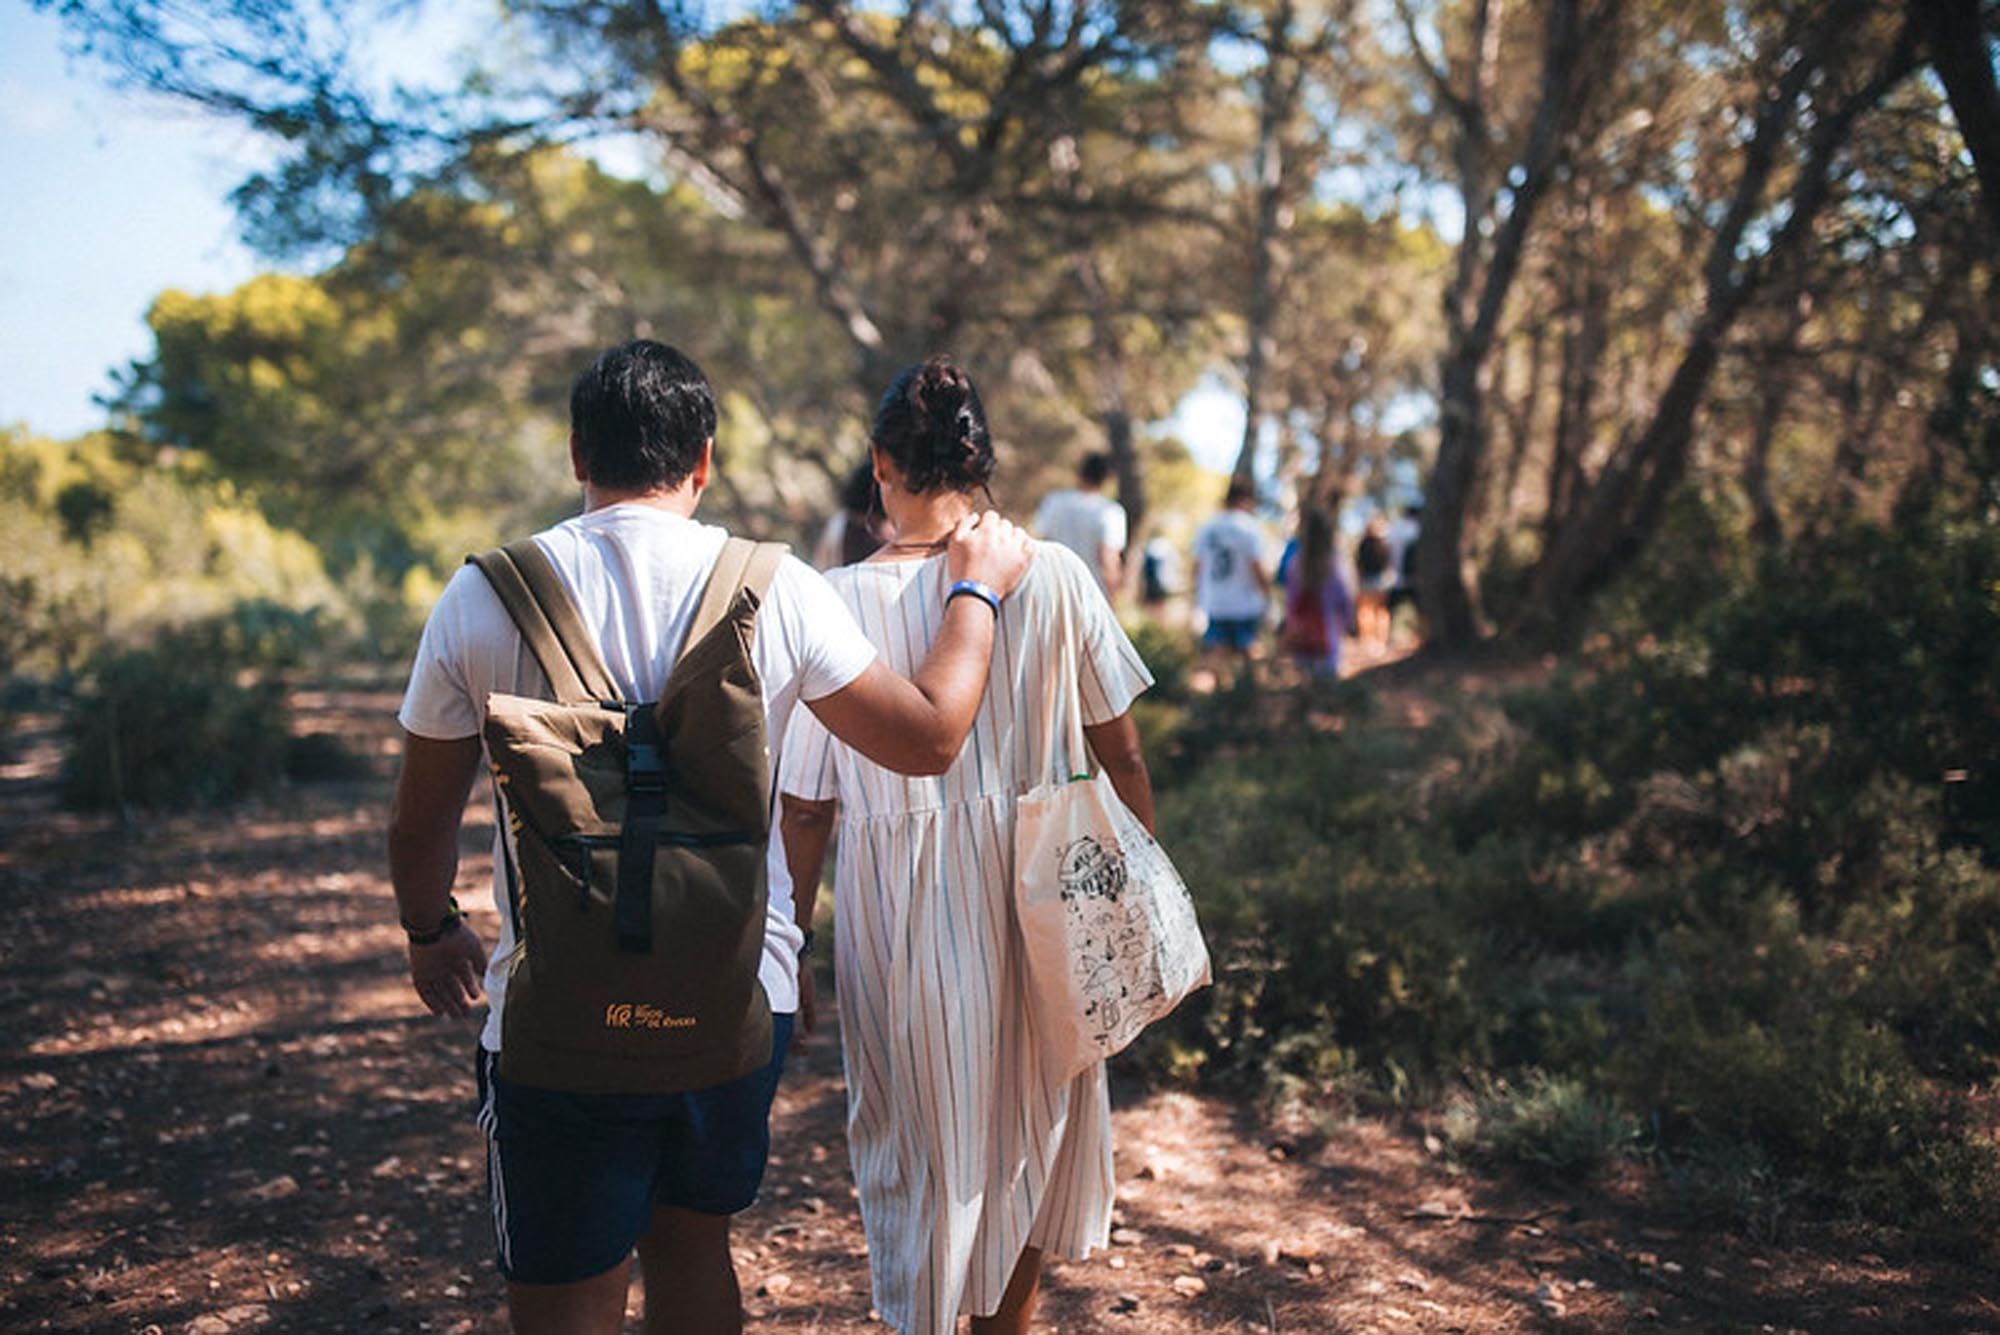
(625, 1015)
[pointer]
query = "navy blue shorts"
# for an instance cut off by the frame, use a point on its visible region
(1237, 633)
(573, 1179)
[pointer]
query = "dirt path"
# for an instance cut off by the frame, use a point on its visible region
(222, 1112)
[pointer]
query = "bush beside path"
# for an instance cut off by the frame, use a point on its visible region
(223, 1112)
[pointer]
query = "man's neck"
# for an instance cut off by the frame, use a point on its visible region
(680, 500)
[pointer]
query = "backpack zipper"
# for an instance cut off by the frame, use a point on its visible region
(575, 851)
(670, 838)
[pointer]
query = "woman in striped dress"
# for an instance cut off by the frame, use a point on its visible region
(972, 1163)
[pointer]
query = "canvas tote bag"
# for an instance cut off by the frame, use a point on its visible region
(1107, 925)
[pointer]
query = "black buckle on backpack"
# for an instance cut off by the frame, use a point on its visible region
(645, 772)
(638, 841)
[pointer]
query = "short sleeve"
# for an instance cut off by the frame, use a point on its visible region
(807, 767)
(1114, 532)
(438, 703)
(1111, 674)
(828, 649)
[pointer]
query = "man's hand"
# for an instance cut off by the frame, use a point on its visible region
(991, 549)
(808, 1022)
(446, 973)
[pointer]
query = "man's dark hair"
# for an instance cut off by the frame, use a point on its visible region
(1094, 469)
(1242, 491)
(640, 414)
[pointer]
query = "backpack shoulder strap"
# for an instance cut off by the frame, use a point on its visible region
(534, 596)
(743, 565)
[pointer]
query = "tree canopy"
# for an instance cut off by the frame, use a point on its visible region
(1570, 255)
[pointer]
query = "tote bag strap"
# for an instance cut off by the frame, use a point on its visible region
(1062, 705)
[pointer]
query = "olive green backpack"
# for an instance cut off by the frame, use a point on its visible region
(636, 875)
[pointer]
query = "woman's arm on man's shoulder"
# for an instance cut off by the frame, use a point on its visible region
(916, 725)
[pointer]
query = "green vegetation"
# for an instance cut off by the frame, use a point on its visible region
(1699, 897)
(160, 608)
(1701, 396)
(106, 550)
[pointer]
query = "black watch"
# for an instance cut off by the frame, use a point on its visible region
(421, 936)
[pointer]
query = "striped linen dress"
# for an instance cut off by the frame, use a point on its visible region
(964, 1150)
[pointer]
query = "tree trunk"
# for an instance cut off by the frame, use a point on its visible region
(1268, 169)
(1337, 466)
(1624, 508)
(1473, 305)
(1112, 404)
(1451, 616)
(1584, 337)
(1956, 35)
(1778, 376)
(1521, 420)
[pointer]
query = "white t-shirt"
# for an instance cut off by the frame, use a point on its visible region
(636, 573)
(1225, 552)
(1084, 522)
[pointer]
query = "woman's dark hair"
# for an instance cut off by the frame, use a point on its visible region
(1315, 547)
(861, 500)
(858, 495)
(931, 422)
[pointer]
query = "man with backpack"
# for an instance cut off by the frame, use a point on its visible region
(629, 674)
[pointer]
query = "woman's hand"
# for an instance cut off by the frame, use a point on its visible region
(990, 548)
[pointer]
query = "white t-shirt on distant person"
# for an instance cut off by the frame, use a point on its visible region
(636, 573)
(1085, 522)
(1225, 552)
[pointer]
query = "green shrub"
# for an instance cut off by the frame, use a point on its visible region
(1557, 1125)
(1168, 654)
(179, 723)
(323, 757)
(1710, 879)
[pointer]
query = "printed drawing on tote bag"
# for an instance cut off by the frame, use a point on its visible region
(1107, 925)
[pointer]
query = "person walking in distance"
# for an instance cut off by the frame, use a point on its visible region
(580, 1180)
(1374, 575)
(1232, 583)
(1089, 523)
(972, 1159)
(1318, 609)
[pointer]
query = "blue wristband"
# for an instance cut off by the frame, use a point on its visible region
(972, 588)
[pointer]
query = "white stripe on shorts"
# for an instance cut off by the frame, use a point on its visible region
(496, 1180)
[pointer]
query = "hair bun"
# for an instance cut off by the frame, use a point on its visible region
(941, 394)
(931, 422)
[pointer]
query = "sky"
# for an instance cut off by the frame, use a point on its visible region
(115, 198)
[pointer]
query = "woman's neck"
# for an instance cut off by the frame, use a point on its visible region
(926, 520)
